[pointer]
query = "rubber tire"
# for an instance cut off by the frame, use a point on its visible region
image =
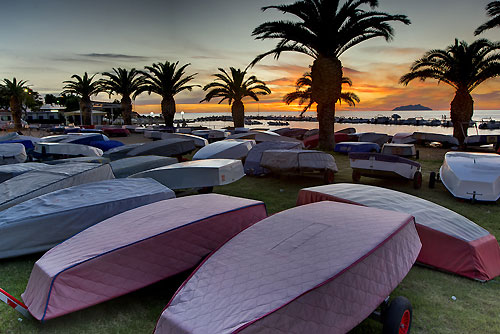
(432, 180)
(356, 176)
(206, 190)
(329, 177)
(417, 180)
(393, 316)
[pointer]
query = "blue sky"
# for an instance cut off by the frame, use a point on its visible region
(45, 42)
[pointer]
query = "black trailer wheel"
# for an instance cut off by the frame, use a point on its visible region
(432, 180)
(329, 176)
(206, 190)
(356, 176)
(417, 180)
(397, 317)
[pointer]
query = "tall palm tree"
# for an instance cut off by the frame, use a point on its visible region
(166, 80)
(83, 87)
(493, 11)
(125, 83)
(463, 67)
(303, 93)
(16, 91)
(234, 88)
(324, 31)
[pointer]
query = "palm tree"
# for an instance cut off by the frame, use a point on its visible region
(83, 87)
(325, 30)
(493, 11)
(234, 88)
(16, 91)
(166, 80)
(303, 93)
(125, 83)
(463, 67)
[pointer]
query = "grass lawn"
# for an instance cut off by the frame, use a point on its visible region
(475, 310)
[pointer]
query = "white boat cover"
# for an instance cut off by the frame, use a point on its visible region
(128, 166)
(472, 175)
(42, 222)
(35, 183)
(152, 134)
(318, 268)
(450, 241)
(165, 147)
(196, 173)
(297, 161)
(9, 171)
(260, 137)
(12, 153)
(70, 149)
(377, 164)
(435, 137)
(403, 150)
(134, 249)
(252, 162)
(198, 141)
(120, 152)
(95, 160)
(403, 138)
(225, 149)
(9, 136)
(71, 137)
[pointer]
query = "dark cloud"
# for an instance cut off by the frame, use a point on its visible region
(114, 56)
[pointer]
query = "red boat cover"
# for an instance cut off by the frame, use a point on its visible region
(134, 249)
(450, 241)
(318, 268)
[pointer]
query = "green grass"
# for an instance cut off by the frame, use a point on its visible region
(476, 309)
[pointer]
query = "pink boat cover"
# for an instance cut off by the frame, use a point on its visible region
(134, 249)
(318, 268)
(450, 242)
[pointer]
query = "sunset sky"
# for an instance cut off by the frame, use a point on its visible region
(45, 42)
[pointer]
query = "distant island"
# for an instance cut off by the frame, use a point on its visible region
(411, 107)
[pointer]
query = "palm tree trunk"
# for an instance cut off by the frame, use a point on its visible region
(238, 113)
(462, 108)
(168, 110)
(326, 89)
(15, 109)
(126, 105)
(86, 110)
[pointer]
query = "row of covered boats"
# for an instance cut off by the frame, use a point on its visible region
(108, 236)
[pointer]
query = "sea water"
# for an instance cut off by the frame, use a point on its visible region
(478, 116)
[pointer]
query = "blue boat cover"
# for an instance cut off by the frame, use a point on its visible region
(348, 146)
(106, 145)
(252, 161)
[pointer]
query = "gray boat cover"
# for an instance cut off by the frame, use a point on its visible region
(9, 171)
(12, 153)
(120, 152)
(134, 249)
(196, 173)
(319, 268)
(42, 222)
(225, 149)
(297, 161)
(437, 137)
(252, 162)
(404, 150)
(95, 160)
(450, 241)
(165, 147)
(128, 166)
(35, 183)
(198, 141)
(67, 149)
(373, 137)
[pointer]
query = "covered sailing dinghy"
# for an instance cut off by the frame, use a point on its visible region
(9, 171)
(12, 153)
(134, 249)
(58, 150)
(38, 182)
(309, 269)
(225, 149)
(474, 176)
(42, 222)
(450, 241)
(205, 173)
(128, 166)
(252, 162)
(172, 147)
